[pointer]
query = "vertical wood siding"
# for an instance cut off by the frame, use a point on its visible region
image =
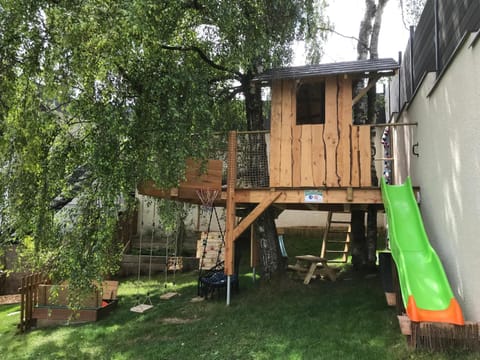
(334, 154)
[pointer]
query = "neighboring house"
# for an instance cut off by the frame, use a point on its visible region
(438, 88)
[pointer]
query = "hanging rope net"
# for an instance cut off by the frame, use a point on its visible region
(207, 196)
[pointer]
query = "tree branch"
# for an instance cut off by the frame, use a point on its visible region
(202, 56)
(345, 36)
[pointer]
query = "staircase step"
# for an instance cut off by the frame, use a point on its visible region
(343, 230)
(339, 231)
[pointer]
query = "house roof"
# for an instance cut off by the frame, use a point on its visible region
(359, 67)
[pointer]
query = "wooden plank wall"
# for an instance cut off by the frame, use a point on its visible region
(334, 154)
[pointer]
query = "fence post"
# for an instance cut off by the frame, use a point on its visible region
(28, 299)
(21, 290)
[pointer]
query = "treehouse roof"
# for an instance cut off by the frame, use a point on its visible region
(359, 68)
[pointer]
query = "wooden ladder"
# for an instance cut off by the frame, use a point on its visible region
(332, 248)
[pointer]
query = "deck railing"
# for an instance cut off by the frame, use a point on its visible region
(251, 160)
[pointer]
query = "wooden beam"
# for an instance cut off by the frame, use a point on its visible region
(371, 84)
(275, 133)
(330, 134)
(259, 209)
(345, 117)
(370, 195)
(149, 188)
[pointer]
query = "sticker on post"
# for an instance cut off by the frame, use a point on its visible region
(313, 196)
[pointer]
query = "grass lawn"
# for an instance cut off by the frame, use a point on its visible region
(282, 319)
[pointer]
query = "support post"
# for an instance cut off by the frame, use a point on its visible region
(253, 251)
(228, 289)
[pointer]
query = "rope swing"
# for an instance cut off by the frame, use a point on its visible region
(172, 260)
(139, 306)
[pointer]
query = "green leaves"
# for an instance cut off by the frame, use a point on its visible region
(97, 95)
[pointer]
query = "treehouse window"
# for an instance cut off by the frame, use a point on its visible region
(311, 103)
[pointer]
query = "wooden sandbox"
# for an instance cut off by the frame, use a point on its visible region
(53, 309)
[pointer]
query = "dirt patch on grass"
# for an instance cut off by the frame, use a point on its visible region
(175, 320)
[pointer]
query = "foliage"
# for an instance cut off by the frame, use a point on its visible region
(98, 95)
(411, 11)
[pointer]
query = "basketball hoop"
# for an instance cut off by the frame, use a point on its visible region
(207, 196)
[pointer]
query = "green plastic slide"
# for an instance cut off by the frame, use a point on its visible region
(426, 292)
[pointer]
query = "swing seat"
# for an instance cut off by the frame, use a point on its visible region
(141, 308)
(215, 280)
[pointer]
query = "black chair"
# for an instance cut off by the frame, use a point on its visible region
(214, 279)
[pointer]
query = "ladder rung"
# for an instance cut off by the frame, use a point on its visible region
(339, 231)
(336, 251)
(337, 241)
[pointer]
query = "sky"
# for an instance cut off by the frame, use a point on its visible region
(346, 16)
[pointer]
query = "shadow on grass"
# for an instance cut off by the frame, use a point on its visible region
(281, 319)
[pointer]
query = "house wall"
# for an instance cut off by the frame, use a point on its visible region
(448, 168)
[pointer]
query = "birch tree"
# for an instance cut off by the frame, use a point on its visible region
(98, 95)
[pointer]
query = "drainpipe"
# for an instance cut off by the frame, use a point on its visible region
(412, 67)
(437, 37)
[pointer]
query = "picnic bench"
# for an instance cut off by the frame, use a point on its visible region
(310, 265)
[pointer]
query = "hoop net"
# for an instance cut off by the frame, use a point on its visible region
(207, 196)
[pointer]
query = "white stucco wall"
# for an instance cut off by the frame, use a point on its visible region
(448, 169)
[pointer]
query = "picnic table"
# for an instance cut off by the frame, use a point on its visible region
(311, 265)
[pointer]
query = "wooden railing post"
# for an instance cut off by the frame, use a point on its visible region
(231, 205)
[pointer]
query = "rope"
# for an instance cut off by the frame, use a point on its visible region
(204, 243)
(139, 306)
(166, 261)
(175, 252)
(147, 299)
(151, 244)
(137, 295)
(221, 235)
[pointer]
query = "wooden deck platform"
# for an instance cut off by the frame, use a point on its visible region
(322, 199)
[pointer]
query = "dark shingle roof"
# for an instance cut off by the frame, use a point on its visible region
(360, 67)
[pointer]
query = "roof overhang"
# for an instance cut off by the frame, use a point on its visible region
(358, 69)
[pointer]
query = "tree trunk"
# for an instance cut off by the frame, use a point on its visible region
(359, 250)
(364, 248)
(271, 263)
(372, 119)
(265, 228)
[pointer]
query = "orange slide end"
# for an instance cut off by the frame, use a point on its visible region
(451, 315)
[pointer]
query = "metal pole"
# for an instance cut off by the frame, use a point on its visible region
(228, 289)
(437, 38)
(412, 65)
(399, 83)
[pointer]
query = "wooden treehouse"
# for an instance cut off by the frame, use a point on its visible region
(314, 156)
